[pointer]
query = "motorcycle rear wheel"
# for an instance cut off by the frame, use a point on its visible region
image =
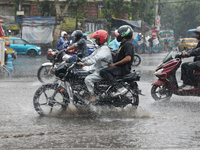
(159, 92)
(51, 99)
(44, 74)
(130, 97)
(136, 60)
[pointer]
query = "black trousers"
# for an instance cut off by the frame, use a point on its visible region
(109, 74)
(187, 73)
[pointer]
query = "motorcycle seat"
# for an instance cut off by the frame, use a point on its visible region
(130, 77)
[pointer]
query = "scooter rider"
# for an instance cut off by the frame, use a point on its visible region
(187, 69)
(122, 61)
(100, 58)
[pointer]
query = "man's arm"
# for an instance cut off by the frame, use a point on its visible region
(193, 52)
(123, 61)
(69, 48)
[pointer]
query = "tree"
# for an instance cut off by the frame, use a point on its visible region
(114, 8)
(180, 17)
(59, 19)
(143, 10)
(77, 10)
(138, 10)
(46, 8)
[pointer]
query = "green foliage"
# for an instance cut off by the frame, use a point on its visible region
(46, 8)
(180, 17)
(16, 5)
(77, 9)
(145, 10)
(138, 10)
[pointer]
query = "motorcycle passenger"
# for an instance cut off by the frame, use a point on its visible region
(79, 43)
(100, 58)
(187, 69)
(123, 60)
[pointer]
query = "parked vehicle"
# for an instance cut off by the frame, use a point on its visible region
(166, 85)
(23, 47)
(166, 34)
(54, 98)
(191, 34)
(187, 44)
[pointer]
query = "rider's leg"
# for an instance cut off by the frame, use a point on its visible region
(89, 81)
(185, 69)
(187, 73)
(109, 73)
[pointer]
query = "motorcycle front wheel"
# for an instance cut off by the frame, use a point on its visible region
(51, 99)
(45, 74)
(159, 92)
(136, 60)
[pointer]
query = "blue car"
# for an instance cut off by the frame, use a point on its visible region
(23, 47)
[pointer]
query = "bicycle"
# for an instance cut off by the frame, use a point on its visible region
(4, 70)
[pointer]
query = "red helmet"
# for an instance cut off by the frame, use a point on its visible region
(100, 34)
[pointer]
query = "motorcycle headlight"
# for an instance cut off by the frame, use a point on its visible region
(38, 47)
(159, 72)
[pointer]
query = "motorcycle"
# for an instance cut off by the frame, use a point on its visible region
(46, 71)
(55, 97)
(166, 85)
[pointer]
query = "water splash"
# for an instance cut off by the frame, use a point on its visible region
(103, 111)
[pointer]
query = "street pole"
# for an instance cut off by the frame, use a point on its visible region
(156, 13)
(20, 14)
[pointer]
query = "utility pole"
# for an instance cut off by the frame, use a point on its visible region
(157, 16)
(20, 14)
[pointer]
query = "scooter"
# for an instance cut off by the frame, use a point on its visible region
(166, 85)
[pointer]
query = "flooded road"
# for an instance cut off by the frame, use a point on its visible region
(170, 125)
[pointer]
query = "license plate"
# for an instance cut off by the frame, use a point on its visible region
(9, 51)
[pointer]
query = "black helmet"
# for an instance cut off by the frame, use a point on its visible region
(78, 34)
(124, 31)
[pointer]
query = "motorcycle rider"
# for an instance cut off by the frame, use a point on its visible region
(79, 43)
(62, 40)
(187, 68)
(100, 58)
(122, 61)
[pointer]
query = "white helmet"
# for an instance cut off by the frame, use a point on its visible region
(66, 58)
(197, 30)
(63, 33)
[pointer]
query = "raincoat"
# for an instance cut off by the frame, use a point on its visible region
(60, 43)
